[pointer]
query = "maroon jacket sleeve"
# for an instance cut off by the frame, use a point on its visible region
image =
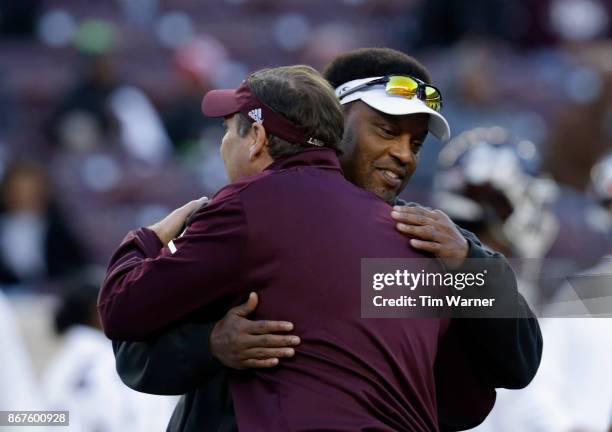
(148, 287)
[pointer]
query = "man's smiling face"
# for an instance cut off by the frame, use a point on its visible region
(380, 152)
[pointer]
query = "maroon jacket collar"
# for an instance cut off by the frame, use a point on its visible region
(316, 157)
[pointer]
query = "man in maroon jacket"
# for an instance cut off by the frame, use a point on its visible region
(285, 228)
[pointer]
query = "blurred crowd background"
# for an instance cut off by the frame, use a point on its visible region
(101, 132)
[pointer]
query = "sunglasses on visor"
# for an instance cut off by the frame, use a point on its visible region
(405, 86)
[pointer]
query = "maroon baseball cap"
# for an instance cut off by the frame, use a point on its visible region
(223, 103)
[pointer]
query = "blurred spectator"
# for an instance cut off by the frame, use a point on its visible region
(581, 133)
(100, 110)
(141, 131)
(82, 119)
(35, 241)
(183, 118)
(196, 63)
(567, 157)
(81, 378)
(489, 183)
(17, 388)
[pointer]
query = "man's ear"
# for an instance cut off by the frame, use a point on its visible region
(260, 140)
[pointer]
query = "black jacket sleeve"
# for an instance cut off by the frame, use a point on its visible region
(505, 351)
(478, 355)
(174, 362)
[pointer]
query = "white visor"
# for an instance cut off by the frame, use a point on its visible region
(376, 97)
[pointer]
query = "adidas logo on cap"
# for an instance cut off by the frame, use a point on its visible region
(256, 115)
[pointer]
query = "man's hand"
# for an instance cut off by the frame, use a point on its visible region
(240, 343)
(169, 227)
(435, 232)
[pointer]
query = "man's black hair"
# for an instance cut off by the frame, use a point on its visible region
(373, 62)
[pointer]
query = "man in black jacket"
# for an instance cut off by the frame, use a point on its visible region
(475, 356)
